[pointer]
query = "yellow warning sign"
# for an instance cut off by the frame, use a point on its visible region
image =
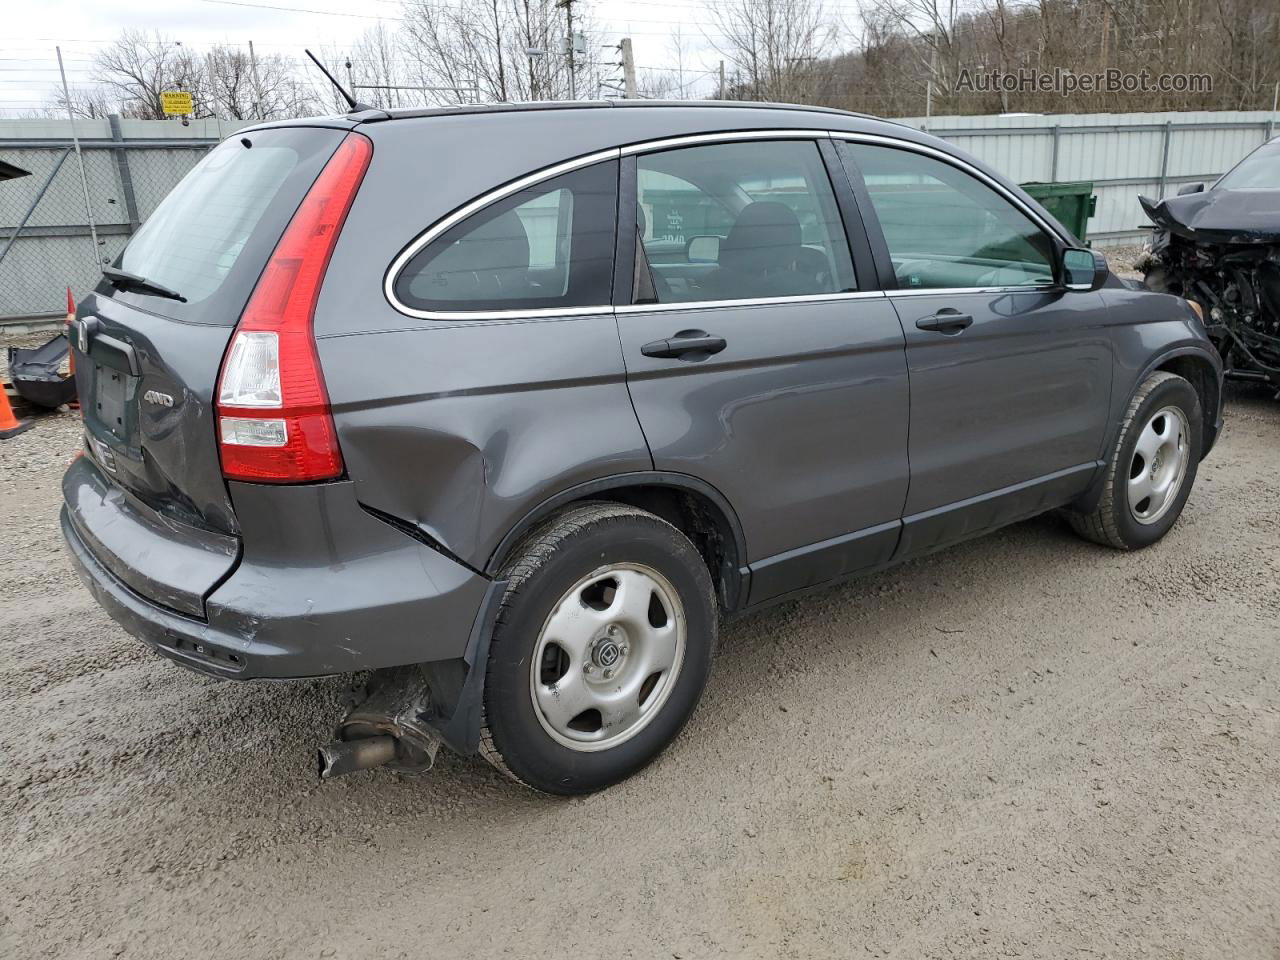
(176, 104)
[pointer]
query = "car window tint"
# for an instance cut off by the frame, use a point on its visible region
(945, 228)
(548, 246)
(196, 235)
(1260, 170)
(734, 221)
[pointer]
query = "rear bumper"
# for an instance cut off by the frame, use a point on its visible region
(321, 588)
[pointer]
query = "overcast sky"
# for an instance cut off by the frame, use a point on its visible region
(28, 68)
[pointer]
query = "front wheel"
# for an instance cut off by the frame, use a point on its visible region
(1152, 466)
(600, 651)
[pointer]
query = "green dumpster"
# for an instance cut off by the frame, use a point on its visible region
(1073, 203)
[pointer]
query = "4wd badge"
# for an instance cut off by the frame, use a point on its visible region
(158, 398)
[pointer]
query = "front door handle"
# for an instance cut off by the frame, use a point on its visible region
(946, 321)
(686, 345)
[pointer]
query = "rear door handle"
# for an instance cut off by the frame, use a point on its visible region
(685, 344)
(946, 321)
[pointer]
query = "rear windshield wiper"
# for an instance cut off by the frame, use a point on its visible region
(122, 279)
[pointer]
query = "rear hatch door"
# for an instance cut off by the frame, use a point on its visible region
(148, 347)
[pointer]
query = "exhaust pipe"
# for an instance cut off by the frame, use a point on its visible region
(386, 726)
(347, 756)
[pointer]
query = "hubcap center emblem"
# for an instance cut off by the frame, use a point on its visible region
(607, 654)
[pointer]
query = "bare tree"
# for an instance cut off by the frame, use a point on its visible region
(88, 102)
(241, 87)
(135, 69)
(773, 46)
(481, 50)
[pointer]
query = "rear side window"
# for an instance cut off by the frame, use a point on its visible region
(211, 236)
(545, 247)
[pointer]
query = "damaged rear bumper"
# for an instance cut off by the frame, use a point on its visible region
(321, 587)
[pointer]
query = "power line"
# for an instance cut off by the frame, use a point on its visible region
(325, 13)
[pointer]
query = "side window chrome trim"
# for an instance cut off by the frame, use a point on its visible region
(731, 136)
(956, 291)
(667, 143)
(757, 302)
(475, 206)
(925, 150)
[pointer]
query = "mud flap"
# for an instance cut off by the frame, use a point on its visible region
(424, 705)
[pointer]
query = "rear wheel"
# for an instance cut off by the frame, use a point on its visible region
(1152, 467)
(600, 651)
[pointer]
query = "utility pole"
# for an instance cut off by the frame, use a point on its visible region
(257, 84)
(629, 90)
(721, 96)
(84, 181)
(569, 47)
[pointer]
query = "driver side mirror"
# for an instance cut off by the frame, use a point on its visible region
(1083, 269)
(1191, 188)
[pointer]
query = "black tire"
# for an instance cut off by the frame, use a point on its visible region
(1112, 523)
(544, 567)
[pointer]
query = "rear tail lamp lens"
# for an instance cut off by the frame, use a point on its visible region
(274, 420)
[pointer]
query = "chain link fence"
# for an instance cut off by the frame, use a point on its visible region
(46, 244)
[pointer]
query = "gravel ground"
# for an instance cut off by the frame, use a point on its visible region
(1026, 746)
(1121, 259)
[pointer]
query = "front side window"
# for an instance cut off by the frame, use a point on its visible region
(946, 229)
(547, 246)
(740, 221)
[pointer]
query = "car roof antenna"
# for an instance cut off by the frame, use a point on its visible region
(356, 105)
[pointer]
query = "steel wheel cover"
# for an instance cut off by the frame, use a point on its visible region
(1159, 465)
(607, 657)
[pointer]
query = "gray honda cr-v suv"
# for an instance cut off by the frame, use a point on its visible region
(503, 408)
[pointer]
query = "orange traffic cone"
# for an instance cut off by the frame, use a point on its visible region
(10, 426)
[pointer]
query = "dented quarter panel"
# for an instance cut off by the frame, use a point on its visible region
(324, 587)
(468, 426)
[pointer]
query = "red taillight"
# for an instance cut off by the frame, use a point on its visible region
(274, 421)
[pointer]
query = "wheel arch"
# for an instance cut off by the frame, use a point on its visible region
(1195, 367)
(693, 506)
(1202, 369)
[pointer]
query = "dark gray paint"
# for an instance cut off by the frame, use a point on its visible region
(322, 587)
(166, 455)
(836, 435)
(175, 565)
(467, 426)
(800, 422)
(1022, 393)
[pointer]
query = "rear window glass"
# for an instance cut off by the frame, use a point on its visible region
(209, 239)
